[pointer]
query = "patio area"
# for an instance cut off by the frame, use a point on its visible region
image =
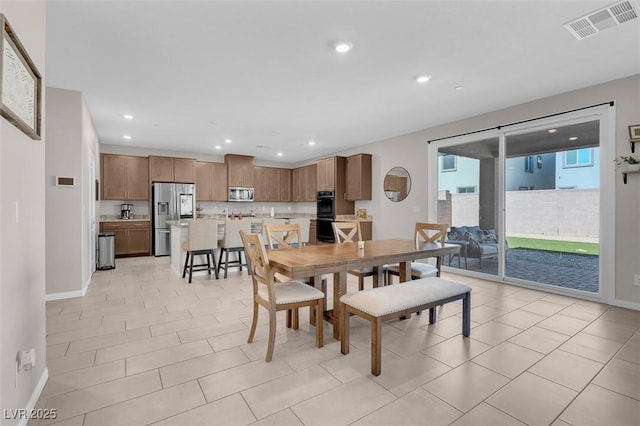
(568, 270)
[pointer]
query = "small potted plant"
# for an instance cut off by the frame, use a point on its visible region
(628, 163)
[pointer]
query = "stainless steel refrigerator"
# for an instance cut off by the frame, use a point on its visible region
(171, 201)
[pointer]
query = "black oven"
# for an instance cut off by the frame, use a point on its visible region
(324, 230)
(326, 214)
(325, 201)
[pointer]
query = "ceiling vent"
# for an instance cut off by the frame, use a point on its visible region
(600, 20)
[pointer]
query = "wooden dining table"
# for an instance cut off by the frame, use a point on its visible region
(317, 260)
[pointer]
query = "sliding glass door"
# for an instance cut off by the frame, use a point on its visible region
(527, 203)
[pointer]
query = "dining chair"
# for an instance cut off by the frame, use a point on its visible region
(304, 224)
(285, 236)
(232, 243)
(289, 295)
(202, 239)
(346, 232)
(424, 232)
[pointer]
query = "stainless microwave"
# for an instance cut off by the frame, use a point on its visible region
(241, 194)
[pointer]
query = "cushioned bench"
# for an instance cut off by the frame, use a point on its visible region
(383, 303)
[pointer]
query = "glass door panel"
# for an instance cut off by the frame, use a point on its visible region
(467, 201)
(552, 193)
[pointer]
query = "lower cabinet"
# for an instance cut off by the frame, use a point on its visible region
(131, 238)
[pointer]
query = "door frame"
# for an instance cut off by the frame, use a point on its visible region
(605, 114)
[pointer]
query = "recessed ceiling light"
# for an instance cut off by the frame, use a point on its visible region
(127, 117)
(552, 130)
(459, 87)
(573, 138)
(343, 47)
(127, 137)
(227, 141)
(423, 79)
(280, 154)
(217, 147)
(312, 143)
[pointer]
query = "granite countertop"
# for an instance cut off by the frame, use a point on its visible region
(351, 218)
(116, 218)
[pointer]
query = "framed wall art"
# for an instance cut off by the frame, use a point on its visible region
(20, 84)
(634, 133)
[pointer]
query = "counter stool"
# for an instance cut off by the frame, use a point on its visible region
(232, 243)
(202, 239)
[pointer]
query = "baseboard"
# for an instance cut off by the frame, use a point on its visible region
(65, 295)
(626, 304)
(35, 395)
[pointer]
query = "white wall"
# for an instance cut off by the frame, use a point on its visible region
(71, 141)
(22, 235)
(410, 151)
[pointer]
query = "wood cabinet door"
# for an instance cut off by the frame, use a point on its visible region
(239, 170)
(326, 174)
(184, 170)
(219, 182)
(310, 183)
(138, 240)
(358, 177)
(295, 184)
(161, 169)
(260, 187)
(285, 184)
(137, 176)
(203, 181)
(114, 181)
(273, 183)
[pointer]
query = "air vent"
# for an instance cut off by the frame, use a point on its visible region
(600, 20)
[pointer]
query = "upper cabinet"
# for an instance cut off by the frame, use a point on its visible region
(303, 183)
(326, 174)
(124, 177)
(359, 177)
(211, 181)
(239, 170)
(168, 169)
(271, 184)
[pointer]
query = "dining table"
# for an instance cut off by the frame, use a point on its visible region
(317, 260)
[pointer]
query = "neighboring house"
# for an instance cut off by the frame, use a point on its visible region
(573, 169)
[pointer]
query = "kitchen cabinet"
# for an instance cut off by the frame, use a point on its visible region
(211, 181)
(124, 177)
(239, 170)
(313, 224)
(169, 169)
(331, 175)
(271, 184)
(358, 180)
(303, 183)
(131, 238)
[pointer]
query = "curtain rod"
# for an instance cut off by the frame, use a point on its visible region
(500, 126)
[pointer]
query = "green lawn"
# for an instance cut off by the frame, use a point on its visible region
(554, 245)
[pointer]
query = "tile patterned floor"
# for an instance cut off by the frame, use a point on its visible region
(144, 347)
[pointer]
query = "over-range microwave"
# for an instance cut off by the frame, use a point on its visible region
(241, 194)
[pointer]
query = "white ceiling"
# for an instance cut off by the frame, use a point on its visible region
(264, 73)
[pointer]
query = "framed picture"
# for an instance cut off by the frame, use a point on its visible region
(20, 84)
(634, 133)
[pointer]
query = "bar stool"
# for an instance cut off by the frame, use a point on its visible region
(202, 239)
(232, 243)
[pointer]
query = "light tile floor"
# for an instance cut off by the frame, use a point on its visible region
(144, 347)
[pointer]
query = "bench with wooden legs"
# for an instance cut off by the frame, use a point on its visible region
(383, 303)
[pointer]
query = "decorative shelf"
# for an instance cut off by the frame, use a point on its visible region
(624, 175)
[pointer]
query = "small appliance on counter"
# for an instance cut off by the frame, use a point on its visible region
(126, 211)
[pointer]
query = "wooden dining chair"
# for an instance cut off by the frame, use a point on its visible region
(290, 295)
(347, 232)
(202, 239)
(285, 236)
(424, 232)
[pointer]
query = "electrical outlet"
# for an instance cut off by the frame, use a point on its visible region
(636, 280)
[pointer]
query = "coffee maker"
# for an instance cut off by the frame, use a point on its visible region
(126, 211)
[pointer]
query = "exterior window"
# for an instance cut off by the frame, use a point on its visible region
(578, 158)
(528, 164)
(448, 163)
(466, 189)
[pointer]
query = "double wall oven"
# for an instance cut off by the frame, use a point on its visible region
(326, 215)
